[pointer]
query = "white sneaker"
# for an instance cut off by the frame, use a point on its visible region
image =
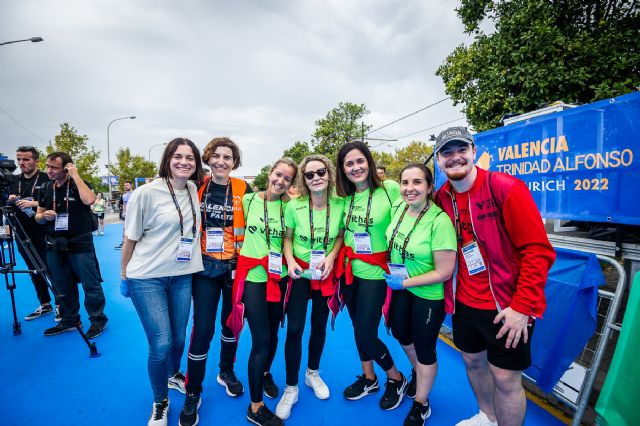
(289, 397)
(314, 381)
(479, 419)
(159, 414)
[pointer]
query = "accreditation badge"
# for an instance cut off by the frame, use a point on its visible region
(185, 249)
(62, 222)
(473, 258)
(315, 262)
(362, 242)
(215, 240)
(398, 270)
(275, 263)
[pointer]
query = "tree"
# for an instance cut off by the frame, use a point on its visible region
(128, 167)
(340, 125)
(84, 157)
(578, 51)
(261, 179)
(415, 152)
(298, 151)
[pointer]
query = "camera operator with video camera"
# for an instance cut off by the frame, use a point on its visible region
(64, 205)
(24, 191)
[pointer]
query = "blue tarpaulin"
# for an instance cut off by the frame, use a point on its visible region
(570, 319)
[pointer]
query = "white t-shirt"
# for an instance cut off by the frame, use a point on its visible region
(153, 221)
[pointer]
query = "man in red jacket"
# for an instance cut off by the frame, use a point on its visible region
(504, 257)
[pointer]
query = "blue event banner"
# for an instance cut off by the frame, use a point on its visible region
(579, 164)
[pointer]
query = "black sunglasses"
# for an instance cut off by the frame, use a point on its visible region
(320, 172)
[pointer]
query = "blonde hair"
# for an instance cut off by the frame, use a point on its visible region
(301, 184)
(289, 162)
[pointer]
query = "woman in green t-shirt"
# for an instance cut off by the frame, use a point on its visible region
(260, 284)
(313, 239)
(362, 262)
(422, 254)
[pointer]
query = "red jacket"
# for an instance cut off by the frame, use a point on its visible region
(507, 224)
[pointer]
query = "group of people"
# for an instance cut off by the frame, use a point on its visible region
(55, 223)
(476, 249)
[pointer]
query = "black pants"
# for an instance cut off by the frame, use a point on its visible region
(66, 268)
(263, 318)
(364, 299)
(206, 295)
(296, 319)
(39, 283)
(418, 321)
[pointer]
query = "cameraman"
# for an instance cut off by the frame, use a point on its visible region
(64, 206)
(24, 195)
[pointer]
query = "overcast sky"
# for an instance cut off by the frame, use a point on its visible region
(260, 72)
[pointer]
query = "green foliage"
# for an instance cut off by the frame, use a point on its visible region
(128, 167)
(84, 157)
(578, 51)
(298, 151)
(340, 125)
(261, 179)
(415, 152)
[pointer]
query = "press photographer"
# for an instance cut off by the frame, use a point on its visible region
(24, 190)
(64, 206)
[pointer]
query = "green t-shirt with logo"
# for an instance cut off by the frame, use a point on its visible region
(379, 218)
(297, 218)
(434, 232)
(255, 241)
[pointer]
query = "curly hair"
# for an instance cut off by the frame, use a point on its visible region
(226, 142)
(301, 184)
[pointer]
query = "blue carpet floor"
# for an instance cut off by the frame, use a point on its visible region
(53, 381)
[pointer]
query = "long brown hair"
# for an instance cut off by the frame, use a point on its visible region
(170, 149)
(343, 185)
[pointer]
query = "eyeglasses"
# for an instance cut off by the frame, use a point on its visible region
(320, 172)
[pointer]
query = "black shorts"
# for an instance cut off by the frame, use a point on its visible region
(100, 215)
(474, 331)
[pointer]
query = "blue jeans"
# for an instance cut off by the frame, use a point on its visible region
(163, 306)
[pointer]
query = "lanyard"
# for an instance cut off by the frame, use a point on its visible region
(406, 239)
(54, 186)
(325, 242)
(366, 226)
(193, 209)
(33, 188)
(266, 220)
(458, 223)
(224, 208)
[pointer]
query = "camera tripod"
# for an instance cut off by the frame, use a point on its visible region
(8, 263)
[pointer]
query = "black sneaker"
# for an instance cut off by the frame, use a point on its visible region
(264, 417)
(95, 330)
(189, 413)
(40, 311)
(59, 329)
(159, 413)
(411, 388)
(393, 393)
(361, 388)
(269, 386)
(418, 414)
(229, 380)
(177, 382)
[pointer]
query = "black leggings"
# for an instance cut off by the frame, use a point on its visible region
(364, 299)
(418, 321)
(296, 319)
(263, 318)
(206, 295)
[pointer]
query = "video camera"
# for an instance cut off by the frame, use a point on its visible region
(7, 167)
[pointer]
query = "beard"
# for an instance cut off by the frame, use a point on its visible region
(457, 173)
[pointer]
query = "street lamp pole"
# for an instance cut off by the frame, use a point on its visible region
(151, 147)
(108, 149)
(32, 39)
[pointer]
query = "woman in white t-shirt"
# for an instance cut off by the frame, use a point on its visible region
(159, 255)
